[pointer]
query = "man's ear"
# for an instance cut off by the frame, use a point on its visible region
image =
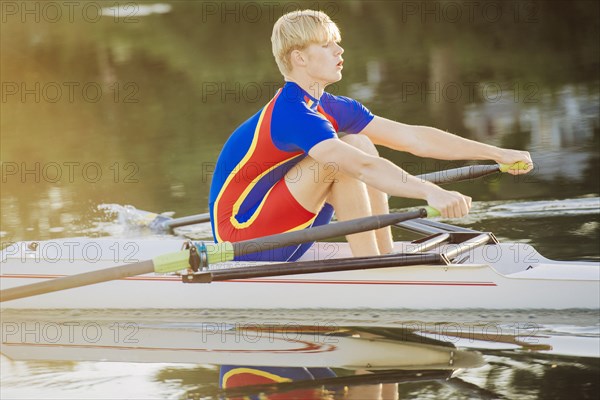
(298, 58)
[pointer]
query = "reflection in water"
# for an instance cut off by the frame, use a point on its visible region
(542, 209)
(131, 11)
(361, 352)
(312, 383)
(555, 127)
(247, 344)
(367, 91)
(411, 357)
(444, 94)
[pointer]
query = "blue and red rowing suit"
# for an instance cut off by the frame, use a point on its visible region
(248, 196)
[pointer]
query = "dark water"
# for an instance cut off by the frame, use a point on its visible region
(132, 108)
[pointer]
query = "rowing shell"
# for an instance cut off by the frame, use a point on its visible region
(496, 276)
(233, 344)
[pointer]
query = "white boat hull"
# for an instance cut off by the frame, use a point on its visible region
(504, 276)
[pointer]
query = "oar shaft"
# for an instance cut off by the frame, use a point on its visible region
(73, 281)
(460, 174)
(182, 221)
(323, 232)
(310, 267)
(428, 227)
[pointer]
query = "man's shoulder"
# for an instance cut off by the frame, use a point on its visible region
(329, 98)
(293, 106)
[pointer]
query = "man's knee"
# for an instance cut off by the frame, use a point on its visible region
(361, 142)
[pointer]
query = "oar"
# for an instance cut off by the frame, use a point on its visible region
(469, 172)
(318, 266)
(162, 223)
(210, 253)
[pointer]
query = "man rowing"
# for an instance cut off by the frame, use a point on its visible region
(308, 153)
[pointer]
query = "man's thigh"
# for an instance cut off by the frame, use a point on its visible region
(310, 183)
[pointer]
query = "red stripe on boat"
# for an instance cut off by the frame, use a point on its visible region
(315, 282)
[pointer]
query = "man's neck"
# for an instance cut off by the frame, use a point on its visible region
(310, 86)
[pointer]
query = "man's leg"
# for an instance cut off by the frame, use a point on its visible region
(377, 198)
(312, 184)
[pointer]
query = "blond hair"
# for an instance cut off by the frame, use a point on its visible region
(298, 29)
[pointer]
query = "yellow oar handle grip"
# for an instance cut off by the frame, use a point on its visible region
(432, 212)
(523, 166)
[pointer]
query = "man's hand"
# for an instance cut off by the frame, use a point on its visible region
(511, 157)
(449, 204)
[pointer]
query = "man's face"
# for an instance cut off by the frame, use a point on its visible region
(324, 62)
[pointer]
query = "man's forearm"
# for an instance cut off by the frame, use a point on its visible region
(434, 143)
(387, 177)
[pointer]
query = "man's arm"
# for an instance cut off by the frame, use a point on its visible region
(430, 142)
(388, 177)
